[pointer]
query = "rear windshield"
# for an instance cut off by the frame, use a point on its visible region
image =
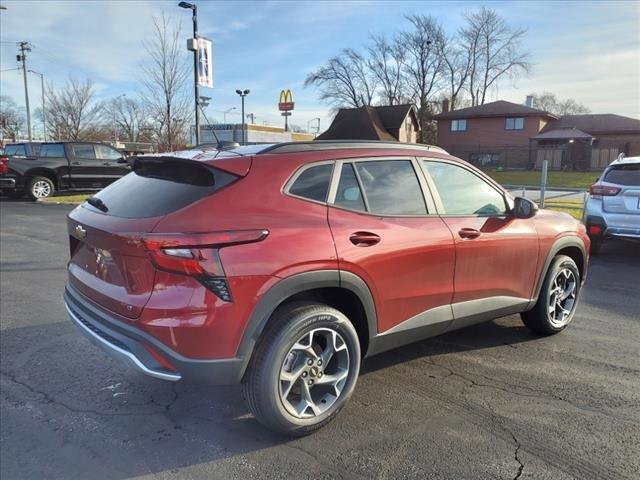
(624, 175)
(157, 189)
(16, 149)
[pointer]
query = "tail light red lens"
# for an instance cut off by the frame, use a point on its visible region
(595, 229)
(197, 255)
(4, 165)
(598, 191)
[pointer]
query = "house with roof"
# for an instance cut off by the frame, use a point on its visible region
(508, 135)
(390, 123)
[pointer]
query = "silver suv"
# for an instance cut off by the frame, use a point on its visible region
(613, 208)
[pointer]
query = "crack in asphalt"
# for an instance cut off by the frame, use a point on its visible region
(517, 458)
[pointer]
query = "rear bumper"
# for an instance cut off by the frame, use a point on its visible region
(7, 182)
(129, 344)
(612, 230)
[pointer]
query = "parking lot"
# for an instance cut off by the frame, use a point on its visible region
(490, 401)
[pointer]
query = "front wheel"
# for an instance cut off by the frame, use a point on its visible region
(304, 369)
(558, 298)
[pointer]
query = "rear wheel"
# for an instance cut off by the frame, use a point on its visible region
(303, 370)
(40, 187)
(557, 300)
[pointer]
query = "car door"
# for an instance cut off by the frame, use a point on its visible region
(52, 156)
(387, 232)
(496, 253)
(87, 170)
(114, 164)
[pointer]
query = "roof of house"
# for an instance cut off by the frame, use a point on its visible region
(368, 123)
(562, 134)
(501, 108)
(596, 123)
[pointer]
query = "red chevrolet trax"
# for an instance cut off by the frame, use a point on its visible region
(281, 267)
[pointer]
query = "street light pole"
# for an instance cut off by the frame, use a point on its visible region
(196, 96)
(243, 93)
(44, 114)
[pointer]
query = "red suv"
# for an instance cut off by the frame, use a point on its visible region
(281, 267)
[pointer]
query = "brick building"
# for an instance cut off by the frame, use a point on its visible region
(512, 136)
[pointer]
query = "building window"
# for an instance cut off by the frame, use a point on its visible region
(514, 123)
(458, 125)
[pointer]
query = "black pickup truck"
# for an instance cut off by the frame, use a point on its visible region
(60, 166)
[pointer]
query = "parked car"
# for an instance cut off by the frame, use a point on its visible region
(60, 166)
(613, 207)
(281, 267)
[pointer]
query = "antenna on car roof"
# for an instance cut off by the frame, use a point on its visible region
(221, 145)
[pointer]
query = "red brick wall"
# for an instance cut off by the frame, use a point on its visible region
(488, 132)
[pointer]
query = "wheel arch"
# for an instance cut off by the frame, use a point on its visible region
(571, 246)
(341, 290)
(42, 172)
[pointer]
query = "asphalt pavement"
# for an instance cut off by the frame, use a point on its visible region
(490, 401)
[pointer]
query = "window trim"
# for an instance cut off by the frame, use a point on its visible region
(513, 129)
(289, 183)
(506, 196)
(466, 125)
(424, 188)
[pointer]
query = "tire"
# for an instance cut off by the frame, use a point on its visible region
(561, 283)
(15, 194)
(278, 403)
(40, 187)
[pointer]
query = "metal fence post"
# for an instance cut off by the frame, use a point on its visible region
(543, 182)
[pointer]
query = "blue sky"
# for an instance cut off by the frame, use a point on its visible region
(589, 51)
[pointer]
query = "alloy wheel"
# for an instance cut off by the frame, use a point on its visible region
(41, 189)
(562, 297)
(314, 373)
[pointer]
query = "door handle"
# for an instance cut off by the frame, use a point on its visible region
(106, 164)
(468, 233)
(75, 163)
(364, 239)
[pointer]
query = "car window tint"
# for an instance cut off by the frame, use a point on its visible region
(462, 192)
(349, 194)
(313, 183)
(624, 175)
(107, 153)
(52, 150)
(15, 150)
(391, 187)
(84, 150)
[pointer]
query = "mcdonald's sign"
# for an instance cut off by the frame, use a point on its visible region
(286, 101)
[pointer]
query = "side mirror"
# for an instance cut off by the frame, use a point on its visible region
(524, 208)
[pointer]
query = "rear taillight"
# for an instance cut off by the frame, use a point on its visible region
(4, 165)
(197, 255)
(598, 191)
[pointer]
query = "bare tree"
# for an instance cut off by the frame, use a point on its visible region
(456, 66)
(549, 102)
(387, 64)
(12, 118)
(424, 46)
(164, 79)
(72, 111)
(130, 118)
(496, 51)
(345, 80)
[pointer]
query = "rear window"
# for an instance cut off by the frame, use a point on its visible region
(624, 175)
(52, 150)
(313, 183)
(157, 189)
(15, 150)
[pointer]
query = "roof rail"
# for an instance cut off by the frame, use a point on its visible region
(319, 145)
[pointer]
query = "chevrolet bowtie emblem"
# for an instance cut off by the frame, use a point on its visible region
(80, 232)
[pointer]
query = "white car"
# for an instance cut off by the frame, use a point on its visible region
(613, 208)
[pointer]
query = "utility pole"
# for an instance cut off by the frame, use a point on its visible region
(25, 47)
(243, 93)
(252, 117)
(44, 114)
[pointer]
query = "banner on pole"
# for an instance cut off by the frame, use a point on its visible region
(205, 62)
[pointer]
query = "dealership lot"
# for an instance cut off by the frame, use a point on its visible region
(491, 401)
